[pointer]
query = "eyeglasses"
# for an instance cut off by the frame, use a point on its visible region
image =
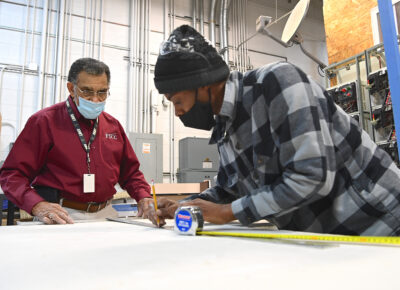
(88, 94)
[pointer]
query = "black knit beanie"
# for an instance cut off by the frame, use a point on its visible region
(197, 66)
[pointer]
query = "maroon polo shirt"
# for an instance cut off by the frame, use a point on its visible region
(48, 152)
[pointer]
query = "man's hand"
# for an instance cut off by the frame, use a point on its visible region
(51, 213)
(147, 211)
(213, 212)
(166, 208)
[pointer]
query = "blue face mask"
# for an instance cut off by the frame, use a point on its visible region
(90, 110)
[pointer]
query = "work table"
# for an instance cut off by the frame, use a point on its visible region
(110, 255)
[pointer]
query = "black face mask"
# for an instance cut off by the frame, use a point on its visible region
(200, 116)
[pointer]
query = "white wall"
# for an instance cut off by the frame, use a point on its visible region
(115, 49)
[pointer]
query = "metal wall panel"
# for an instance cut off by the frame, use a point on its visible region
(197, 154)
(148, 149)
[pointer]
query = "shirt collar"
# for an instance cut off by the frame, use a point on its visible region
(228, 109)
(230, 96)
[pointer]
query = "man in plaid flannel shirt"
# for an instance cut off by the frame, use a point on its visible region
(288, 154)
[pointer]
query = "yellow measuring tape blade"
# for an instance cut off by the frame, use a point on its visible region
(394, 241)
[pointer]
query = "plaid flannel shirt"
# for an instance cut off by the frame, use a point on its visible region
(290, 155)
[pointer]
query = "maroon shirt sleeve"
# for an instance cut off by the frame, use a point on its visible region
(24, 162)
(131, 178)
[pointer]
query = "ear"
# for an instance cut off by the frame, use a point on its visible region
(71, 90)
(202, 95)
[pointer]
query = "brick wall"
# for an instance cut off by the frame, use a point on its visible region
(348, 27)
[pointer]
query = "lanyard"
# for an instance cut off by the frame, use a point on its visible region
(86, 147)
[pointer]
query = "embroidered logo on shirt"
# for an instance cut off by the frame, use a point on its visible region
(111, 136)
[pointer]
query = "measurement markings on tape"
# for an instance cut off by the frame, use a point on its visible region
(387, 241)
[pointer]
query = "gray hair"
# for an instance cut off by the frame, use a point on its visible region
(89, 65)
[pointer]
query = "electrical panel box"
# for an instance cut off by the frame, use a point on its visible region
(360, 85)
(197, 154)
(381, 106)
(382, 113)
(189, 176)
(378, 81)
(148, 149)
(345, 96)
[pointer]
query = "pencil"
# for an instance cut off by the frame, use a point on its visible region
(155, 200)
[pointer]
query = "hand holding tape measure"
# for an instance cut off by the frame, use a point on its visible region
(189, 221)
(211, 212)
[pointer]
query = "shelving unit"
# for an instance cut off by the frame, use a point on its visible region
(360, 86)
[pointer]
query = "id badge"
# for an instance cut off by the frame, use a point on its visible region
(88, 183)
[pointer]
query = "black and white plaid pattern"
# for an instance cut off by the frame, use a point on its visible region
(290, 155)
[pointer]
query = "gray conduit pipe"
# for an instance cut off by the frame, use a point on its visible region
(64, 52)
(147, 94)
(221, 26)
(148, 66)
(68, 43)
(130, 110)
(171, 24)
(225, 19)
(242, 38)
(60, 52)
(139, 60)
(43, 57)
(144, 65)
(246, 49)
(173, 108)
(136, 64)
(212, 22)
(201, 8)
(53, 96)
(145, 97)
(173, 14)
(194, 12)
(239, 38)
(134, 67)
(94, 27)
(22, 89)
(165, 26)
(238, 51)
(33, 32)
(140, 76)
(90, 38)
(99, 57)
(234, 36)
(84, 31)
(171, 118)
(141, 92)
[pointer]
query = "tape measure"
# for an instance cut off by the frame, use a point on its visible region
(188, 220)
(382, 241)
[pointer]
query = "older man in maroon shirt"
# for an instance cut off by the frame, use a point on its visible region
(70, 156)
